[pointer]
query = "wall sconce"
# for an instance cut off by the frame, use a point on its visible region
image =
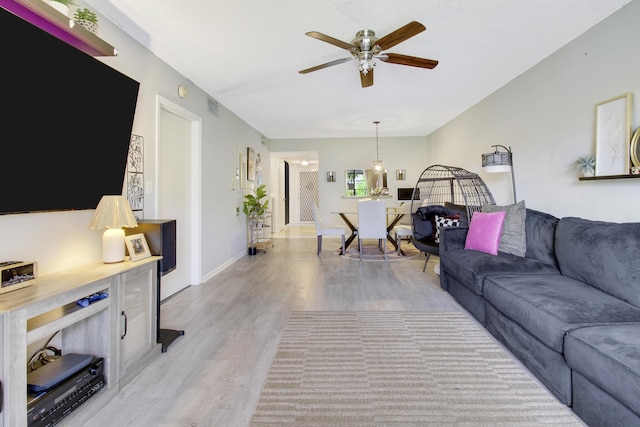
(331, 176)
(500, 162)
(113, 213)
(401, 174)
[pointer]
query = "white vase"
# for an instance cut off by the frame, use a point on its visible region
(62, 8)
(587, 174)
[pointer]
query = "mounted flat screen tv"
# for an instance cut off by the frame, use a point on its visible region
(66, 122)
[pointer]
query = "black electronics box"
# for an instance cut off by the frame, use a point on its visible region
(160, 235)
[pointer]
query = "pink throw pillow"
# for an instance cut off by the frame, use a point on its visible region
(484, 232)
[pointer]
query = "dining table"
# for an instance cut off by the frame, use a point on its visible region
(394, 216)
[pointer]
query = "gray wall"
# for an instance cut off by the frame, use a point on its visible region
(547, 115)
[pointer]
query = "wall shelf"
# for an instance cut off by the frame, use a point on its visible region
(50, 20)
(598, 178)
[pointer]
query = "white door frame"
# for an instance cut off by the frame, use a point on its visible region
(195, 179)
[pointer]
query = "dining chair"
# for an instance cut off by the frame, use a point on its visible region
(372, 223)
(326, 230)
(403, 229)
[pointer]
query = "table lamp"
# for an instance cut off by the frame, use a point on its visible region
(113, 213)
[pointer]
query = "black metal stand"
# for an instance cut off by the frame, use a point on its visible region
(164, 336)
(167, 336)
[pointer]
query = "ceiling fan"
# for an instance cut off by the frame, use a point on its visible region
(366, 47)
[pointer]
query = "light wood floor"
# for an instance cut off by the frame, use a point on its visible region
(212, 375)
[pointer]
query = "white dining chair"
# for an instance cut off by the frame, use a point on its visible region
(403, 229)
(326, 230)
(372, 223)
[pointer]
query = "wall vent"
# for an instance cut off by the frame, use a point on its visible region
(212, 106)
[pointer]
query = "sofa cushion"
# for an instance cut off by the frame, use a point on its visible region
(540, 228)
(513, 239)
(547, 306)
(471, 267)
(602, 254)
(485, 231)
(609, 356)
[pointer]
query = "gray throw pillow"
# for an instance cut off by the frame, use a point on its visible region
(514, 238)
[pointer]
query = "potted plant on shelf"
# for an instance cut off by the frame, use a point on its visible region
(86, 19)
(61, 6)
(586, 165)
(254, 208)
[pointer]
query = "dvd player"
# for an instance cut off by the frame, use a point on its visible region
(49, 407)
(56, 371)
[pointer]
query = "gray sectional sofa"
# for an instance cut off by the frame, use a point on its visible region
(569, 309)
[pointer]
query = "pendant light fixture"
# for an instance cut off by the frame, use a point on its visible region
(377, 163)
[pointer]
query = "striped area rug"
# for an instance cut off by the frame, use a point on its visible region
(398, 369)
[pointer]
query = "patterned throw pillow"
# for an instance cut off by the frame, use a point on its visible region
(445, 221)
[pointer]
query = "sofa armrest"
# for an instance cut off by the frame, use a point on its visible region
(453, 237)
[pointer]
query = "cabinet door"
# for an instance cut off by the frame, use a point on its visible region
(137, 317)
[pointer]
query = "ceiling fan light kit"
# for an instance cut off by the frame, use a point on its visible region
(366, 48)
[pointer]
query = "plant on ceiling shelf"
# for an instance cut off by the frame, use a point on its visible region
(86, 19)
(586, 165)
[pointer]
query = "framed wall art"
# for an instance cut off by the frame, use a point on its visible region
(243, 171)
(135, 159)
(135, 191)
(613, 134)
(135, 175)
(251, 164)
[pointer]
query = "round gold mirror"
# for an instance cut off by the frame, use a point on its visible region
(634, 149)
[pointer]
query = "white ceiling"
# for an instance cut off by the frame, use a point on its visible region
(246, 54)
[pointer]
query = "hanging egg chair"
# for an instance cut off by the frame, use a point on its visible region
(444, 196)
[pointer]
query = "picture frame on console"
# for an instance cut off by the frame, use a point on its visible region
(613, 135)
(137, 247)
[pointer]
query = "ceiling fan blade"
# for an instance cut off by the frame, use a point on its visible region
(366, 79)
(400, 35)
(396, 58)
(330, 40)
(328, 64)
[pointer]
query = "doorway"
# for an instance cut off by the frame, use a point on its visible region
(308, 193)
(178, 178)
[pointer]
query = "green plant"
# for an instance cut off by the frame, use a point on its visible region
(586, 163)
(252, 203)
(84, 14)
